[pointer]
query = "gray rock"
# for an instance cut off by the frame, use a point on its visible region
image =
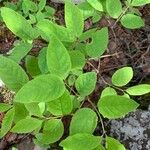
(62, 1)
(133, 130)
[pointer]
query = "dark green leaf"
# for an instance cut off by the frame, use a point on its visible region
(31, 63)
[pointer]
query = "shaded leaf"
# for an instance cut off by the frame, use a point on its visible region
(4, 107)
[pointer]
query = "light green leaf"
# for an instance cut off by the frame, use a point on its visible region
(85, 83)
(99, 43)
(26, 125)
(12, 74)
(33, 109)
(43, 88)
(140, 2)
(82, 141)
(138, 90)
(48, 29)
(96, 4)
(21, 27)
(122, 76)
(114, 106)
(108, 91)
(20, 51)
(74, 19)
(77, 59)
(83, 121)
(31, 63)
(61, 106)
(132, 21)
(7, 122)
(52, 132)
(113, 144)
(42, 62)
(58, 59)
(114, 8)
(4, 107)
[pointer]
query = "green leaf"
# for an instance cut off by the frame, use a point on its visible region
(96, 4)
(7, 122)
(113, 144)
(52, 131)
(20, 112)
(61, 106)
(77, 59)
(4, 107)
(83, 121)
(20, 51)
(26, 125)
(82, 141)
(58, 59)
(132, 21)
(12, 74)
(74, 19)
(48, 29)
(85, 83)
(33, 109)
(114, 106)
(42, 62)
(140, 2)
(108, 91)
(99, 43)
(31, 63)
(43, 88)
(138, 90)
(122, 76)
(21, 27)
(41, 5)
(114, 8)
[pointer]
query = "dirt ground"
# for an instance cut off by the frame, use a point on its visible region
(126, 48)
